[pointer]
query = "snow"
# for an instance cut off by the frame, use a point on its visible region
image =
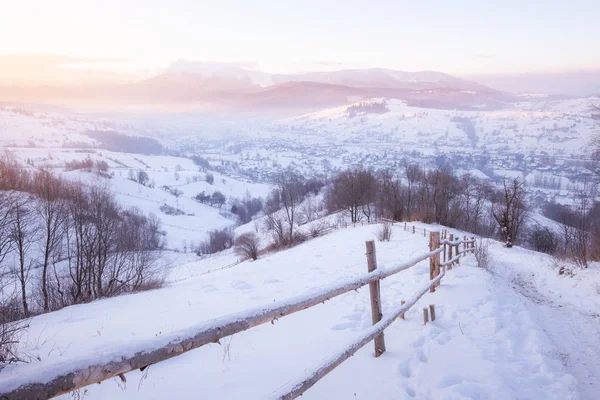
(566, 307)
(488, 341)
(182, 230)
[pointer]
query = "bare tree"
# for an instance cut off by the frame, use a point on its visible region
(354, 190)
(275, 223)
(23, 235)
(413, 175)
(104, 214)
(582, 234)
(389, 196)
(595, 142)
(473, 197)
(246, 245)
(509, 210)
(51, 211)
(6, 223)
(142, 177)
(289, 186)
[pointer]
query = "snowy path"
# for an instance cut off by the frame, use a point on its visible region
(569, 315)
(576, 337)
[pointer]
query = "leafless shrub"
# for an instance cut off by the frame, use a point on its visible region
(247, 245)
(218, 240)
(279, 230)
(298, 238)
(11, 329)
(562, 265)
(543, 240)
(341, 221)
(482, 254)
(319, 229)
(384, 233)
(156, 281)
(170, 210)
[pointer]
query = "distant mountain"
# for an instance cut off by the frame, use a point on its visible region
(221, 70)
(386, 78)
(580, 83)
(371, 77)
(208, 87)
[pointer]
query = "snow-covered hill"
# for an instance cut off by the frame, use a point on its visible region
(167, 176)
(510, 332)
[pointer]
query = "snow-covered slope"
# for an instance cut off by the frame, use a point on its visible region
(559, 128)
(488, 340)
(176, 173)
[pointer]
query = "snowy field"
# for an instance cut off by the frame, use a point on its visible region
(520, 332)
(183, 231)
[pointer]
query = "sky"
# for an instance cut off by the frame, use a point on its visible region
(52, 39)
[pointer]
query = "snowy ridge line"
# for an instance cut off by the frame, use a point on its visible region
(58, 378)
(294, 389)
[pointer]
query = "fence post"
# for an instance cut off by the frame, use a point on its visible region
(450, 247)
(472, 244)
(457, 251)
(432, 312)
(434, 261)
(425, 316)
(375, 291)
(413, 229)
(405, 227)
(402, 303)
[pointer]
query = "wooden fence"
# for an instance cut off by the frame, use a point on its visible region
(169, 346)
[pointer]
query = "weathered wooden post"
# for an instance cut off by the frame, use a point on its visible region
(424, 232)
(434, 261)
(375, 291)
(432, 312)
(457, 250)
(405, 227)
(413, 229)
(425, 316)
(402, 303)
(450, 246)
(472, 244)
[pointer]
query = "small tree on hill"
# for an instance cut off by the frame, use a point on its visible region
(246, 245)
(218, 199)
(509, 210)
(210, 178)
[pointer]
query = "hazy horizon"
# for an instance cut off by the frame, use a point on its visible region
(67, 40)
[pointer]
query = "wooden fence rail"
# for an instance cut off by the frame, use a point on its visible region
(66, 378)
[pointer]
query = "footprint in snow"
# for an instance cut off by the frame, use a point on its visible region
(421, 356)
(450, 380)
(444, 338)
(419, 342)
(208, 289)
(343, 326)
(410, 391)
(353, 322)
(241, 285)
(404, 369)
